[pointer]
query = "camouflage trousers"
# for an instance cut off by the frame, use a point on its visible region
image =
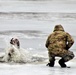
(63, 53)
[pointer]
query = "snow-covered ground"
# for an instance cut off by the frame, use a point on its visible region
(37, 69)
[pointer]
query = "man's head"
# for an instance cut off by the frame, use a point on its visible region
(58, 27)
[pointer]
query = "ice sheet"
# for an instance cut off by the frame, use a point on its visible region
(43, 24)
(37, 69)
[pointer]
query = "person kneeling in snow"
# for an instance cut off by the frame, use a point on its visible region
(58, 44)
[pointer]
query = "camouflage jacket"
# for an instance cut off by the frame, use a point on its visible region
(59, 39)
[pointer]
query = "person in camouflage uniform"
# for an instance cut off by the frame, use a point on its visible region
(58, 44)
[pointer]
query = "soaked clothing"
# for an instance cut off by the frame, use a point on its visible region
(58, 44)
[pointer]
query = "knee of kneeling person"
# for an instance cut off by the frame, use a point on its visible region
(72, 56)
(68, 58)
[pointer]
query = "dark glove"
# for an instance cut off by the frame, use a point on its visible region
(67, 47)
(46, 46)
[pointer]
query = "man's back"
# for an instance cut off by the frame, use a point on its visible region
(58, 44)
(58, 39)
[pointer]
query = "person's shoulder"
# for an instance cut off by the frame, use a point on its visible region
(50, 34)
(67, 34)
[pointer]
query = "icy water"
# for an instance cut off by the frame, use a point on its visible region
(32, 22)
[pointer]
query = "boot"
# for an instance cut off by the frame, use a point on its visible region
(62, 63)
(51, 64)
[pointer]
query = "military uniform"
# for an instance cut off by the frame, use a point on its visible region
(58, 44)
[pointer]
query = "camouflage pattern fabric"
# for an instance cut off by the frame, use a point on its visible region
(58, 44)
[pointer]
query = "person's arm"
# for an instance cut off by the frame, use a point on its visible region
(70, 41)
(47, 42)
